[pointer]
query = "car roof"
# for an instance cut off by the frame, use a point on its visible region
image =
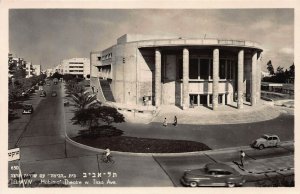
(219, 167)
(269, 135)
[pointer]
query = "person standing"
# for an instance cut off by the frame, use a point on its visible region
(242, 156)
(165, 122)
(175, 121)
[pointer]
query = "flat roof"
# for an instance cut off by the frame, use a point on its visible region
(161, 41)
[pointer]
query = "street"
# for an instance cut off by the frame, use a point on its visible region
(44, 151)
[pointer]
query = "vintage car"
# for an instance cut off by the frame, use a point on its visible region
(265, 141)
(53, 94)
(213, 174)
(27, 109)
(43, 93)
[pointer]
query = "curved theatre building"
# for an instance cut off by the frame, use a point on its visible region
(154, 70)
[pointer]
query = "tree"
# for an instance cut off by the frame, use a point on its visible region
(87, 117)
(292, 70)
(57, 75)
(73, 87)
(92, 116)
(270, 68)
(110, 115)
(279, 70)
(83, 99)
(68, 77)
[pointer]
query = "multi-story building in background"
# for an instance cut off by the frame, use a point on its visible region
(15, 64)
(29, 70)
(49, 72)
(79, 67)
(36, 70)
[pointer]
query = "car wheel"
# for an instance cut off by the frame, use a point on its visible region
(193, 184)
(261, 147)
(231, 185)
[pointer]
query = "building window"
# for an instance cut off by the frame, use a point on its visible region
(204, 67)
(203, 99)
(193, 99)
(75, 62)
(193, 69)
(210, 69)
(229, 69)
(180, 69)
(222, 69)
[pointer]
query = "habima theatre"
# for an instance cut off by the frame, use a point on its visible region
(145, 70)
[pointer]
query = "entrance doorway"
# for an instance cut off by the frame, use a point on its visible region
(203, 99)
(194, 100)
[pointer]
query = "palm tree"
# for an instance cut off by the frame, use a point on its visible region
(83, 100)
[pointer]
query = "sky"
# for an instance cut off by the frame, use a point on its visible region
(48, 36)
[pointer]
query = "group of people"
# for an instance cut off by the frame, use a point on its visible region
(165, 123)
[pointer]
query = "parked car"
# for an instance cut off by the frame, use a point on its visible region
(265, 141)
(55, 81)
(27, 109)
(213, 174)
(24, 94)
(43, 94)
(53, 94)
(66, 103)
(32, 89)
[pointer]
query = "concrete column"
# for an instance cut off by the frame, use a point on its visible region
(258, 78)
(157, 77)
(208, 100)
(254, 80)
(185, 80)
(240, 79)
(215, 86)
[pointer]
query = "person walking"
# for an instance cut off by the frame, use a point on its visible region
(242, 156)
(165, 122)
(175, 121)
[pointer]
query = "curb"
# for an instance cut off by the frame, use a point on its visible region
(224, 150)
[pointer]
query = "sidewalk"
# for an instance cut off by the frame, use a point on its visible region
(224, 115)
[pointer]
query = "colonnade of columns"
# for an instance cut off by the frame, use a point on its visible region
(255, 79)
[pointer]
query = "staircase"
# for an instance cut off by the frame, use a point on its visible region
(105, 86)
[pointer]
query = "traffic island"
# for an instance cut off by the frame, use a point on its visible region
(141, 145)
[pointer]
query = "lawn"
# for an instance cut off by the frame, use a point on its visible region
(141, 145)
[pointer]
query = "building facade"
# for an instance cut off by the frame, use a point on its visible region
(76, 66)
(36, 70)
(184, 72)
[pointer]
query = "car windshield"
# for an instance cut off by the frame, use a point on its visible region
(264, 137)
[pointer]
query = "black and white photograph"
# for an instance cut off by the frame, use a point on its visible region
(152, 97)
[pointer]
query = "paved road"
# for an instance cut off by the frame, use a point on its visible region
(215, 136)
(44, 151)
(43, 137)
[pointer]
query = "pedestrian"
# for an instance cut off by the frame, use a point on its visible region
(165, 122)
(242, 156)
(175, 121)
(144, 100)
